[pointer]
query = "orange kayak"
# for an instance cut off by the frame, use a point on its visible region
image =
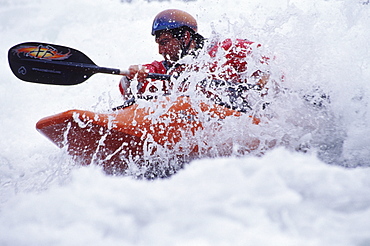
(137, 132)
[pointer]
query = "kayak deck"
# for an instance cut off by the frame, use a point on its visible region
(116, 139)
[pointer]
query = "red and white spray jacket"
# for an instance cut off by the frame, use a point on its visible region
(228, 61)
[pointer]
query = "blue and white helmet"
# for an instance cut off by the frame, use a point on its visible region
(172, 19)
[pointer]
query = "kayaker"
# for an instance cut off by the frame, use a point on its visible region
(176, 33)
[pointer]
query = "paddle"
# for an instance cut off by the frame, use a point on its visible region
(57, 65)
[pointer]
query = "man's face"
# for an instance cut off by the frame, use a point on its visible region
(168, 46)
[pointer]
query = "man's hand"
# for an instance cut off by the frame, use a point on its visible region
(141, 72)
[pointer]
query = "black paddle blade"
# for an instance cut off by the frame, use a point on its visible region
(50, 64)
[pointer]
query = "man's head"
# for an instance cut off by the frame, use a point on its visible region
(176, 34)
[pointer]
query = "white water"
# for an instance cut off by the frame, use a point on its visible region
(281, 198)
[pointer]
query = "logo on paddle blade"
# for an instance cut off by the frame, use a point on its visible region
(42, 52)
(22, 70)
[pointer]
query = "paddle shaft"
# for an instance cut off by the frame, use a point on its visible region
(85, 67)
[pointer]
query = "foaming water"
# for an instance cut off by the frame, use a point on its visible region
(222, 120)
(320, 46)
(317, 97)
(323, 52)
